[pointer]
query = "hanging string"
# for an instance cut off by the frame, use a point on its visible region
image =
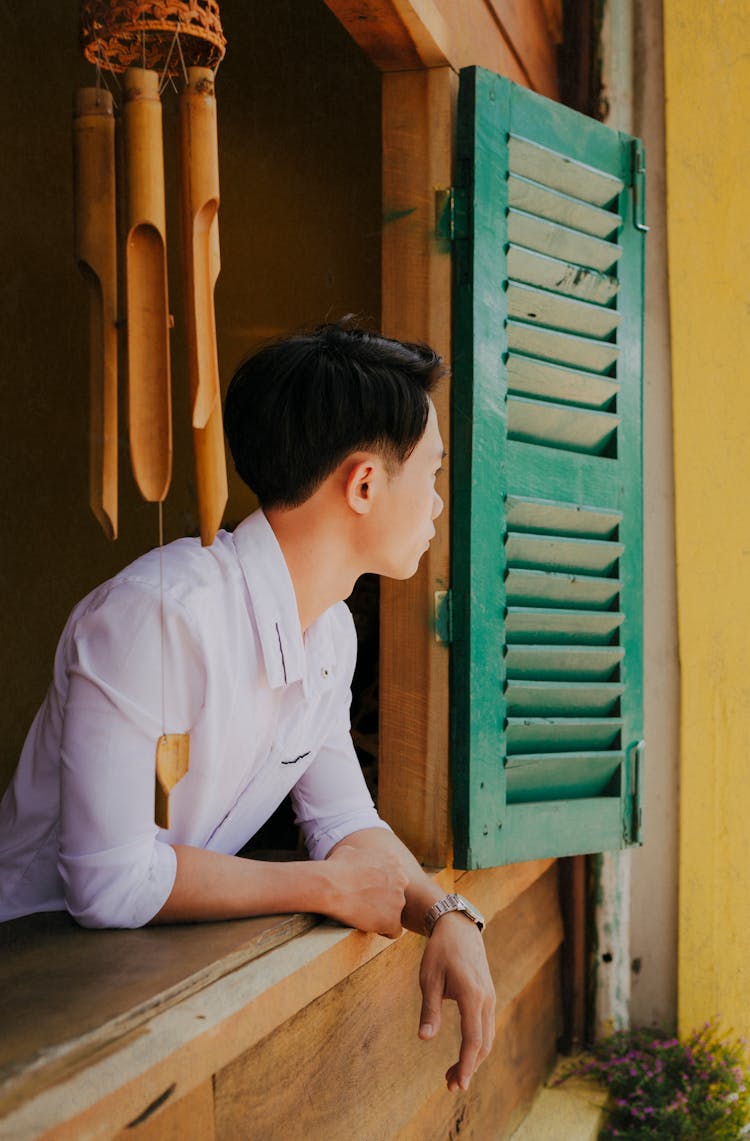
(165, 77)
(162, 622)
(101, 81)
(182, 61)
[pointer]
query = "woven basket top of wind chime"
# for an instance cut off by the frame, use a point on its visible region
(117, 34)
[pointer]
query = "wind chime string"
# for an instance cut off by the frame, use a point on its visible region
(165, 76)
(162, 622)
(101, 82)
(182, 59)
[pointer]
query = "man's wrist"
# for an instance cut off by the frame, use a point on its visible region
(451, 903)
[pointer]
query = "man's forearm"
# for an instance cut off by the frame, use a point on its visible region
(360, 887)
(211, 885)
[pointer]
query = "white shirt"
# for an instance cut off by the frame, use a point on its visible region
(267, 711)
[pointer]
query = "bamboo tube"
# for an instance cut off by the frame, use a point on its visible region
(199, 181)
(96, 255)
(149, 400)
(211, 474)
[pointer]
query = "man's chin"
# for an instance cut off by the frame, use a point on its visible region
(406, 572)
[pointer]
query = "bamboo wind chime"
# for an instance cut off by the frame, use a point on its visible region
(152, 43)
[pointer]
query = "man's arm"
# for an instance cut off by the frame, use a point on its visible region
(359, 887)
(454, 964)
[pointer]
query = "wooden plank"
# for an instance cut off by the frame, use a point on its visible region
(553, 11)
(418, 115)
(405, 35)
(544, 307)
(553, 382)
(557, 663)
(340, 1065)
(534, 198)
(192, 1117)
(560, 276)
(183, 1045)
(579, 430)
(478, 38)
(527, 587)
(495, 889)
(397, 35)
(525, 26)
(67, 992)
(525, 513)
(535, 624)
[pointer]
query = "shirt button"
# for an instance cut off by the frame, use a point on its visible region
(324, 672)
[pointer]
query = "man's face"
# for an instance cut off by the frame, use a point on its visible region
(409, 506)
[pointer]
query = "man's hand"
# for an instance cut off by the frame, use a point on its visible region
(368, 889)
(454, 966)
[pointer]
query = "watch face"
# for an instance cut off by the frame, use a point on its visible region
(472, 912)
(452, 902)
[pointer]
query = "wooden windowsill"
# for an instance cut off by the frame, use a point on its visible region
(68, 993)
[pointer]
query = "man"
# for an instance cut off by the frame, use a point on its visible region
(248, 646)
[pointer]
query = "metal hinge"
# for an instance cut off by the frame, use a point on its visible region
(443, 617)
(451, 213)
(638, 174)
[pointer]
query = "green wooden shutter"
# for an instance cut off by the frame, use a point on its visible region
(547, 476)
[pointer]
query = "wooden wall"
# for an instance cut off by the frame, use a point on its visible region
(317, 1038)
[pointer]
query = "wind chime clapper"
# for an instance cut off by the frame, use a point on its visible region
(96, 255)
(182, 39)
(172, 763)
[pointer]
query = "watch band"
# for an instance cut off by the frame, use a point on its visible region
(448, 903)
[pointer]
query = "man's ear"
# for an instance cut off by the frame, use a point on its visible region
(360, 484)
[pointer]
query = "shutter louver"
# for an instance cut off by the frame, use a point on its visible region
(547, 469)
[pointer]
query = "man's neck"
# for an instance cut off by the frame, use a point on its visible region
(320, 567)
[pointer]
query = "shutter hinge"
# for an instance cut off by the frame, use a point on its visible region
(444, 617)
(451, 213)
(638, 175)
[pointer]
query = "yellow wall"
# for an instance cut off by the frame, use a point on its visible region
(299, 136)
(708, 173)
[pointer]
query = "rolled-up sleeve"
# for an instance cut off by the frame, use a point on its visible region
(332, 800)
(115, 869)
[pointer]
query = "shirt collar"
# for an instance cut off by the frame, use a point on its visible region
(287, 656)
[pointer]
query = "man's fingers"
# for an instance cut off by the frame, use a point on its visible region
(477, 1036)
(429, 1018)
(472, 1040)
(488, 1024)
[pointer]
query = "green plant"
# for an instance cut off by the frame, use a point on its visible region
(661, 1087)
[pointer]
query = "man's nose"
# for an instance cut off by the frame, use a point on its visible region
(437, 506)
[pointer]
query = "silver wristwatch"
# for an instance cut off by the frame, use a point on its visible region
(452, 903)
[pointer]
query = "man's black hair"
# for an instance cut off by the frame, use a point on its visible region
(296, 409)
